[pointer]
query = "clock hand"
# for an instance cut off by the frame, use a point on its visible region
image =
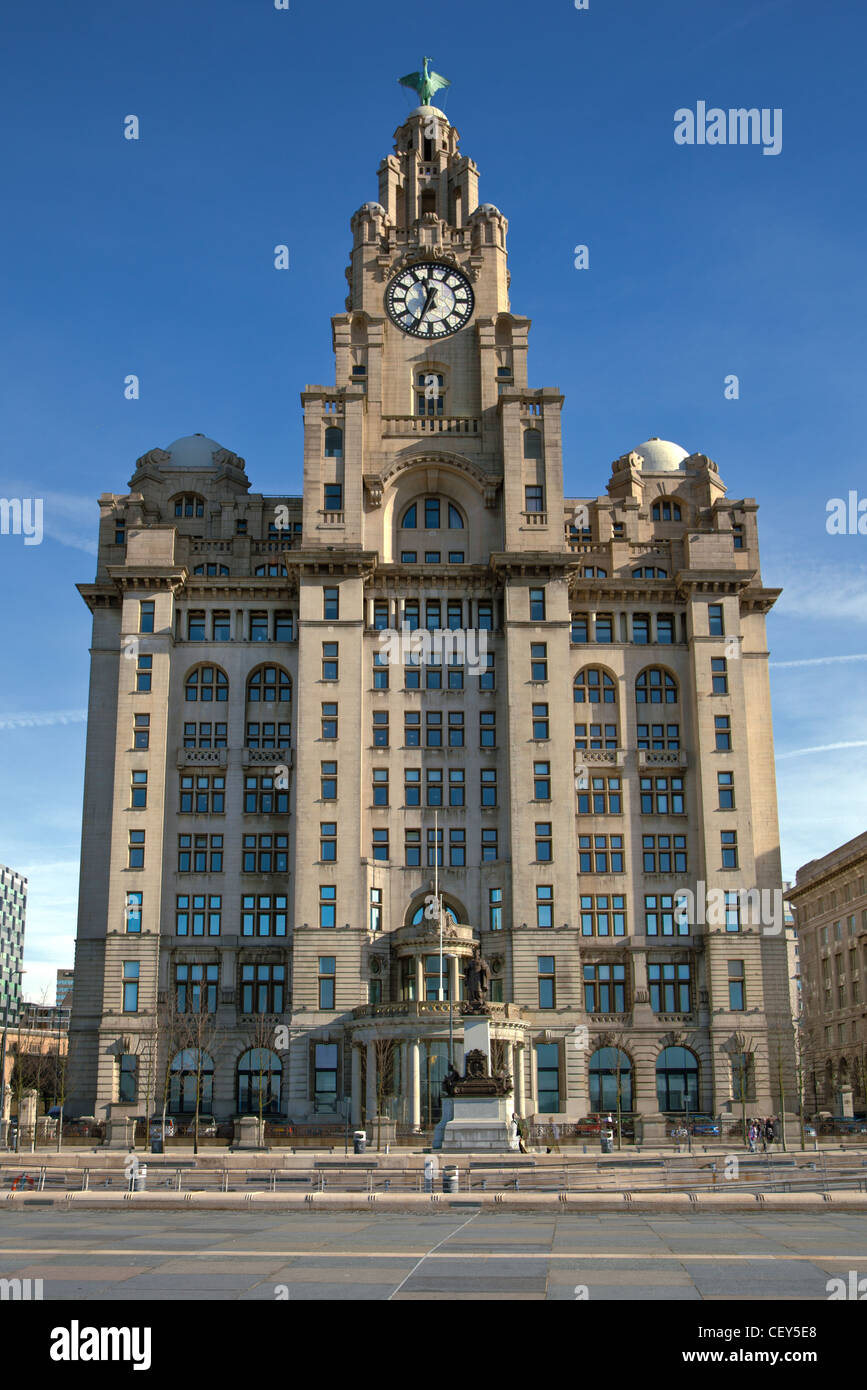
(428, 303)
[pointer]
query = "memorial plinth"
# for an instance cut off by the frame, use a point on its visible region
(481, 1099)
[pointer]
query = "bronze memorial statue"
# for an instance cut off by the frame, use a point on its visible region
(477, 974)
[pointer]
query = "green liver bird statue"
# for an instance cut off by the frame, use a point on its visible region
(426, 83)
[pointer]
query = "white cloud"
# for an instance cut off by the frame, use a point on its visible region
(826, 593)
(817, 661)
(824, 748)
(40, 720)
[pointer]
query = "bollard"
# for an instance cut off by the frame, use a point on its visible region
(140, 1181)
(430, 1171)
(450, 1179)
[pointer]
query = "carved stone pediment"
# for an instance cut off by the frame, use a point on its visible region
(373, 487)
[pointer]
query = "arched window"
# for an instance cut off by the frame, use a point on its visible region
(189, 505)
(410, 518)
(436, 512)
(665, 511)
(429, 393)
(271, 571)
(532, 444)
(677, 1079)
(211, 570)
(594, 686)
(418, 915)
(605, 1064)
(656, 686)
(334, 442)
(191, 1072)
(269, 685)
(206, 683)
(594, 572)
(649, 572)
(260, 1075)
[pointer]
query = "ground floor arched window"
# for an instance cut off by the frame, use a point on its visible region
(677, 1079)
(192, 1073)
(260, 1075)
(605, 1064)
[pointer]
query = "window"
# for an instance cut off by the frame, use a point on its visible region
(212, 571)
(548, 1078)
(662, 796)
(434, 848)
(487, 729)
(495, 909)
(412, 848)
(409, 557)
(412, 729)
(329, 661)
(271, 571)
(380, 844)
(669, 988)
(329, 721)
(434, 786)
(136, 849)
(665, 511)
(665, 628)
(205, 735)
(334, 442)
(376, 909)
(600, 854)
(127, 1085)
(544, 842)
(486, 674)
(738, 537)
(733, 911)
(380, 728)
(201, 795)
(649, 572)
(537, 605)
(196, 625)
(258, 627)
(206, 684)
(603, 914)
(380, 614)
(455, 673)
(676, 1080)
(265, 735)
(544, 905)
(744, 1076)
(196, 988)
(327, 981)
(538, 661)
(579, 631)
(262, 797)
(605, 990)
(594, 686)
(541, 722)
(725, 782)
(488, 786)
(457, 788)
(198, 914)
(130, 986)
(263, 989)
(729, 848)
(546, 977)
(330, 604)
(380, 786)
(146, 610)
(655, 686)
(189, 506)
(604, 628)
(120, 531)
(325, 1076)
(664, 854)
(490, 848)
(221, 625)
(411, 786)
(641, 628)
(532, 444)
(333, 497)
(241, 526)
(263, 915)
(485, 616)
(143, 673)
(595, 735)
(603, 797)
(433, 615)
(541, 781)
(534, 499)
(433, 732)
(327, 905)
(457, 848)
(328, 781)
(431, 513)
(665, 915)
(659, 736)
(456, 557)
(432, 557)
(723, 733)
(328, 841)
(139, 791)
(132, 915)
(265, 854)
(429, 388)
(456, 729)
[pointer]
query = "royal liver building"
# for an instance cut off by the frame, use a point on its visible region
(433, 674)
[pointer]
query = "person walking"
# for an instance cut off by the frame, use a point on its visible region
(751, 1136)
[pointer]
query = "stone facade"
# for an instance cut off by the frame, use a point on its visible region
(13, 913)
(830, 903)
(574, 771)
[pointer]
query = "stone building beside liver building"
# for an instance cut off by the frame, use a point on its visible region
(272, 771)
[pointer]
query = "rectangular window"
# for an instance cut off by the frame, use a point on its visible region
(669, 988)
(196, 988)
(136, 848)
(719, 675)
(729, 848)
(434, 786)
(537, 605)
(604, 628)
(146, 612)
(130, 986)
(604, 989)
(544, 905)
(457, 790)
(434, 849)
(325, 1076)
(665, 915)
(733, 911)
(328, 841)
(596, 735)
(659, 736)
(333, 497)
(662, 796)
(487, 729)
(258, 627)
(454, 614)
(665, 628)
(723, 732)
(737, 986)
(143, 673)
(603, 797)
(488, 786)
(376, 909)
(495, 909)
(411, 786)
(380, 844)
(544, 842)
(330, 604)
(542, 781)
(433, 734)
(548, 1074)
(546, 978)
(725, 782)
(141, 736)
(263, 989)
(411, 614)
(486, 674)
(196, 625)
(716, 626)
(412, 848)
(600, 854)
(579, 631)
(330, 661)
(457, 848)
(283, 627)
(380, 670)
(408, 557)
(327, 981)
(641, 628)
(127, 1085)
(603, 915)
(664, 854)
(541, 722)
(327, 905)
(329, 721)
(198, 914)
(265, 854)
(139, 791)
(328, 781)
(380, 614)
(485, 617)
(221, 626)
(262, 797)
(412, 729)
(263, 915)
(201, 795)
(433, 614)
(534, 499)
(456, 729)
(132, 914)
(538, 661)
(490, 845)
(433, 675)
(380, 786)
(380, 728)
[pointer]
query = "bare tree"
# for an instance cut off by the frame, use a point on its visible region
(260, 1040)
(199, 1029)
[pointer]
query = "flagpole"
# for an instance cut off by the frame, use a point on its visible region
(438, 898)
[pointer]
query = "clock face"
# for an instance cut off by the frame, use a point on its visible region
(430, 300)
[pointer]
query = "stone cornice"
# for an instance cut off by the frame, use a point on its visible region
(335, 560)
(423, 456)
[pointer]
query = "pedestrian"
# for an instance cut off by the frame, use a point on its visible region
(751, 1136)
(519, 1123)
(763, 1135)
(770, 1131)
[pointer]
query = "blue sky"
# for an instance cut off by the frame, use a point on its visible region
(259, 127)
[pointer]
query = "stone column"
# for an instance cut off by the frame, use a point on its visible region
(419, 978)
(370, 1093)
(415, 1083)
(356, 1087)
(453, 979)
(521, 1081)
(534, 1103)
(510, 1060)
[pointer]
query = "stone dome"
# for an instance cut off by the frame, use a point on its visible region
(375, 208)
(193, 451)
(429, 111)
(660, 456)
